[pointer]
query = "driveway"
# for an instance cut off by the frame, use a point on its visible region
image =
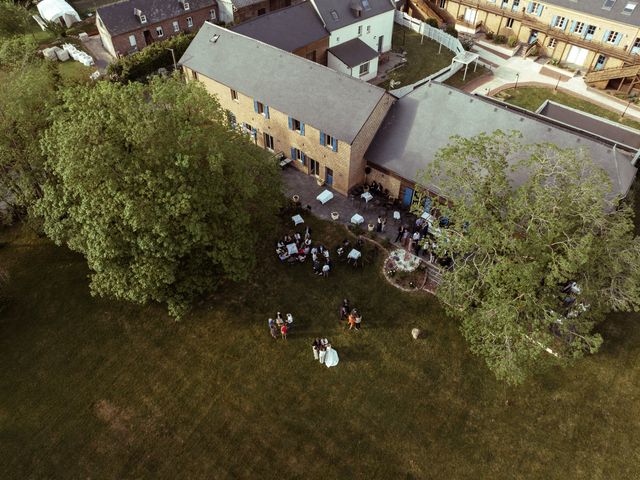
(94, 47)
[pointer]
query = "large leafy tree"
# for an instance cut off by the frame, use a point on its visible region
(515, 245)
(29, 91)
(156, 190)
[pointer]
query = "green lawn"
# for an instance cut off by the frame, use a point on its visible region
(74, 72)
(93, 388)
(422, 60)
(532, 97)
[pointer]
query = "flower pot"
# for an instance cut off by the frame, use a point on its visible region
(320, 181)
(296, 198)
(335, 215)
(371, 227)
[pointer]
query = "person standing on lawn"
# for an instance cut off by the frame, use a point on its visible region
(400, 233)
(344, 309)
(315, 346)
(283, 331)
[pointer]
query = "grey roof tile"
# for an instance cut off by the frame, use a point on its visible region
(119, 18)
(289, 28)
(354, 52)
(416, 127)
(314, 94)
(344, 14)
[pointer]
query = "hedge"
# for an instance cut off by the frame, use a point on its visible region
(140, 65)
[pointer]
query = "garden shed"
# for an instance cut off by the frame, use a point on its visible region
(58, 11)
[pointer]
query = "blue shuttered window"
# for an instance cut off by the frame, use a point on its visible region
(293, 153)
(322, 139)
(301, 128)
(553, 20)
(539, 10)
(573, 26)
(290, 123)
(255, 106)
(530, 7)
(266, 111)
(334, 144)
(606, 35)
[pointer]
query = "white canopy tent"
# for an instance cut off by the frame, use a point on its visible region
(58, 11)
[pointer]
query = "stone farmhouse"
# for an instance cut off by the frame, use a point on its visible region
(321, 119)
(600, 37)
(129, 26)
(238, 11)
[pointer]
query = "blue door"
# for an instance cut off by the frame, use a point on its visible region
(600, 62)
(407, 197)
(328, 177)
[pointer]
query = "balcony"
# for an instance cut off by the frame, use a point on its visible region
(531, 21)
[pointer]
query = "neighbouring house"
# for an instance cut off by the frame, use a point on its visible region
(595, 36)
(296, 29)
(422, 122)
(129, 26)
(321, 119)
(238, 11)
(355, 25)
(58, 11)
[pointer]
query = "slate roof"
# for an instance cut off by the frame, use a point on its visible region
(354, 52)
(416, 127)
(602, 127)
(245, 3)
(314, 94)
(289, 28)
(343, 11)
(119, 18)
(594, 7)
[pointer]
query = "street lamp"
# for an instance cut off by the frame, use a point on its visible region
(517, 78)
(173, 55)
(631, 99)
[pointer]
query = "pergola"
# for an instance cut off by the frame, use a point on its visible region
(466, 58)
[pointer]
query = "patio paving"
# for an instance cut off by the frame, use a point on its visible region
(306, 187)
(100, 55)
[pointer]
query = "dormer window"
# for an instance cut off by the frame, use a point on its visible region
(629, 8)
(608, 4)
(186, 5)
(365, 4)
(138, 13)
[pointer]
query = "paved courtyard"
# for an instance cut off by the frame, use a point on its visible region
(306, 187)
(100, 55)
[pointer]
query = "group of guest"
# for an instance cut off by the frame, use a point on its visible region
(418, 240)
(280, 325)
(351, 315)
(302, 244)
(321, 258)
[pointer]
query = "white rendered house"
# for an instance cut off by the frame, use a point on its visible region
(360, 30)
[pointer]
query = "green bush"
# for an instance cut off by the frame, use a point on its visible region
(141, 64)
(501, 39)
(451, 30)
(432, 21)
(513, 40)
(489, 35)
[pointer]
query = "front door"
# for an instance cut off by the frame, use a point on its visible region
(470, 15)
(407, 197)
(328, 176)
(600, 62)
(147, 37)
(577, 55)
(533, 37)
(380, 43)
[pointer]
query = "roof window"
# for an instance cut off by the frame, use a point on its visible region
(366, 5)
(608, 4)
(334, 14)
(629, 8)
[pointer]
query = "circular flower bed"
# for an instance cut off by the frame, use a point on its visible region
(404, 270)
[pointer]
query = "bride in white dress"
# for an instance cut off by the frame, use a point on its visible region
(331, 357)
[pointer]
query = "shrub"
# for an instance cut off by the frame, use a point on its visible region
(467, 43)
(501, 39)
(533, 52)
(489, 35)
(142, 64)
(513, 40)
(451, 30)
(432, 22)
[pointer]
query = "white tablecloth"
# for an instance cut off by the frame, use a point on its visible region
(355, 254)
(325, 196)
(357, 219)
(396, 215)
(367, 196)
(297, 219)
(292, 249)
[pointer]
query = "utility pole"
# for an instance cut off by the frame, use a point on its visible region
(517, 78)
(173, 55)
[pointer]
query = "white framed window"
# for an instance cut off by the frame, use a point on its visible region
(364, 69)
(186, 6)
(509, 23)
(591, 30)
(268, 142)
(159, 32)
(552, 42)
(560, 22)
(189, 22)
(368, 28)
(328, 140)
(443, 3)
(212, 14)
(296, 125)
(359, 30)
(579, 27)
(613, 37)
(234, 95)
(143, 18)
(176, 26)
(629, 8)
